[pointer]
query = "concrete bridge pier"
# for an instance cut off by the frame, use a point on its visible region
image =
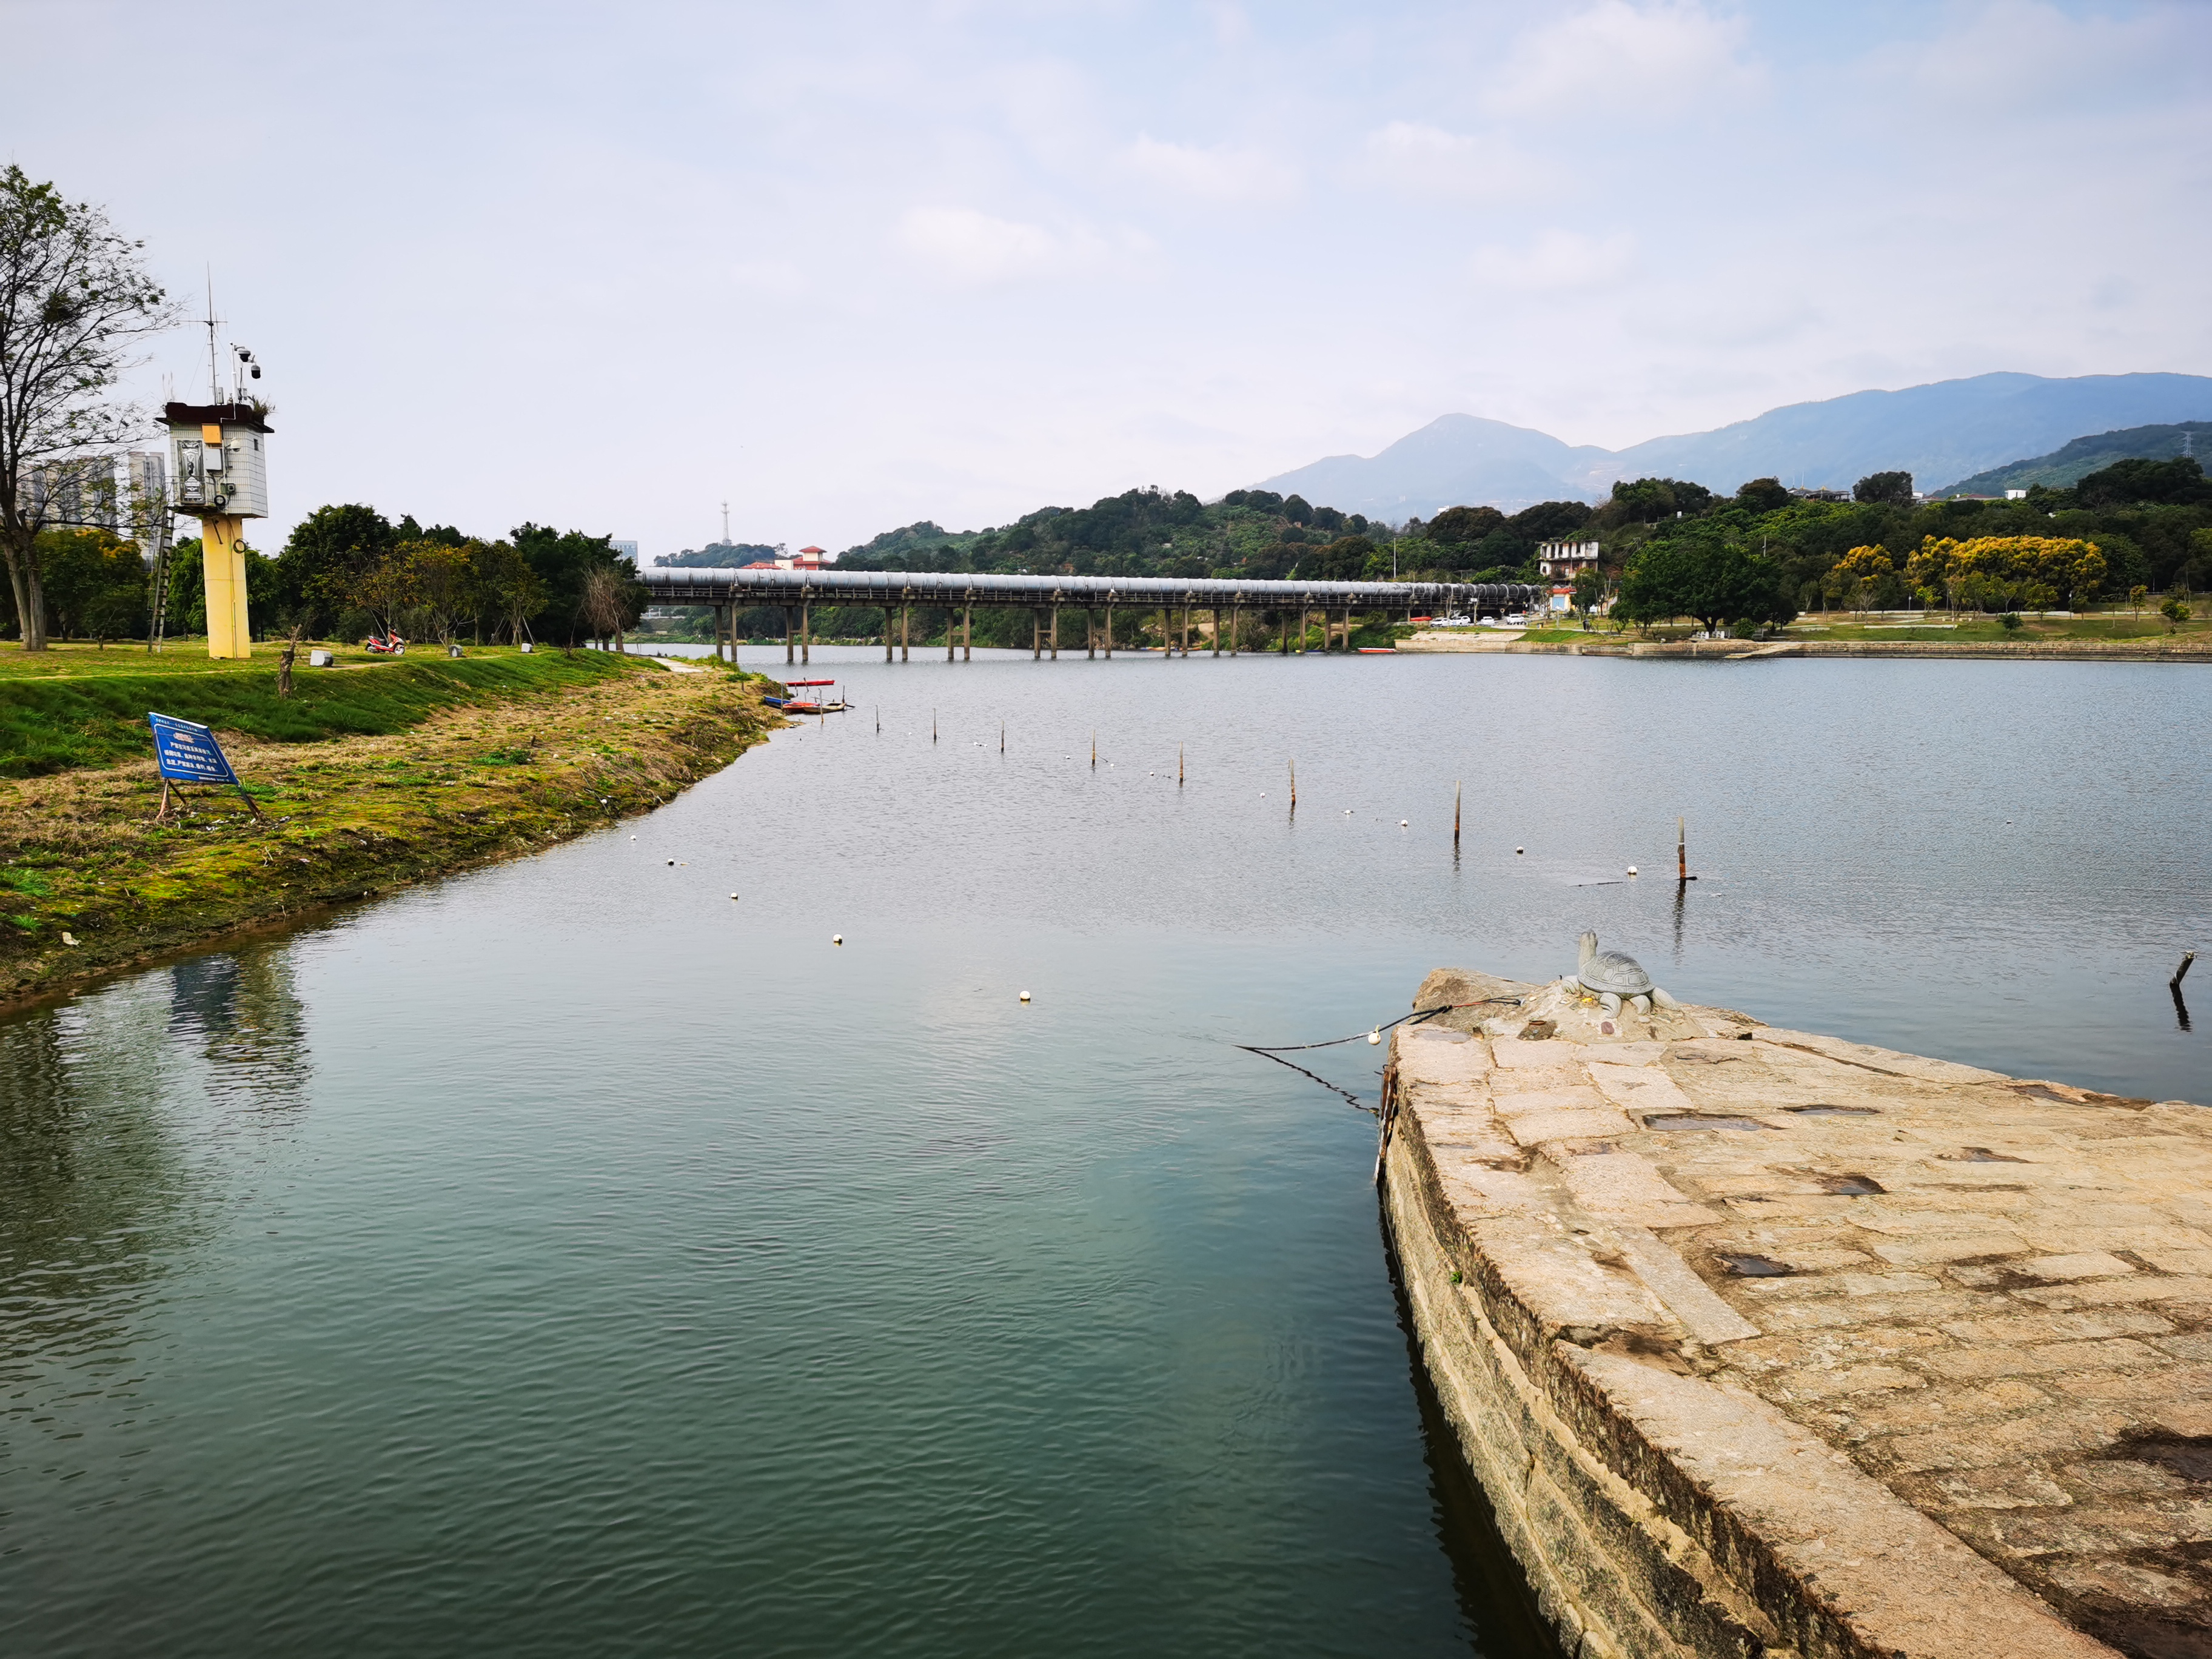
(1217, 630)
(887, 633)
(805, 634)
(1109, 630)
(1090, 635)
(951, 638)
(1235, 622)
(1054, 637)
(906, 621)
(787, 633)
(1184, 612)
(968, 633)
(1036, 635)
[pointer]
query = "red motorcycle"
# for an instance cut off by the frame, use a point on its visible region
(385, 645)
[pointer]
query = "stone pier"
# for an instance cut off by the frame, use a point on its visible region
(1763, 1342)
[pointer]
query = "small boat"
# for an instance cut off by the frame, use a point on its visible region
(1378, 650)
(829, 705)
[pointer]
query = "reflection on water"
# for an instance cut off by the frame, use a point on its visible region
(115, 1113)
(629, 1269)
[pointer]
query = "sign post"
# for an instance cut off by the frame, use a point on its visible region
(186, 752)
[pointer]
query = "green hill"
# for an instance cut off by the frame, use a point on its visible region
(2062, 469)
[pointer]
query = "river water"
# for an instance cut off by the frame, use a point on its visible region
(569, 1259)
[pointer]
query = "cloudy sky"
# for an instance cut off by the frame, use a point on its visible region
(846, 265)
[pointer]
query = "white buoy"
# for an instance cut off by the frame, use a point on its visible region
(1025, 996)
(733, 896)
(1519, 850)
(1375, 1036)
(671, 864)
(836, 939)
(1402, 823)
(1631, 869)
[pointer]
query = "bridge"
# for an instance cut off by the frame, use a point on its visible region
(795, 593)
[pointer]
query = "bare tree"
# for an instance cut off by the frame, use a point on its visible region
(604, 602)
(75, 301)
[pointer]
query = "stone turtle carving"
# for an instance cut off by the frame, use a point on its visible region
(1613, 979)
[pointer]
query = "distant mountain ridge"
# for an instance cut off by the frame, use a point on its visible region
(1942, 431)
(2065, 467)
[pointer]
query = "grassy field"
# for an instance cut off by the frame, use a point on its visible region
(75, 705)
(408, 770)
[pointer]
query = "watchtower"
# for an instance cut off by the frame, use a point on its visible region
(219, 456)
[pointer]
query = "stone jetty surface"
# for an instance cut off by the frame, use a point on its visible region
(1763, 1342)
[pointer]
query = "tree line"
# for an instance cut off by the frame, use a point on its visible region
(348, 571)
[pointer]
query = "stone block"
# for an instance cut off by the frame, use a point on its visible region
(1960, 1406)
(2060, 1432)
(1947, 1246)
(1434, 1061)
(1474, 1189)
(2102, 1293)
(1520, 1054)
(1643, 1088)
(1518, 1102)
(2111, 1353)
(2006, 1330)
(1537, 1127)
(2086, 1264)
(2014, 1488)
(1824, 1382)
(2170, 1391)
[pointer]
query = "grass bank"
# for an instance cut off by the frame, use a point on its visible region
(390, 774)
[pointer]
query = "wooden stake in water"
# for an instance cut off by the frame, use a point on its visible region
(1002, 737)
(880, 719)
(1178, 766)
(933, 726)
(1094, 751)
(1456, 789)
(1682, 849)
(1294, 786)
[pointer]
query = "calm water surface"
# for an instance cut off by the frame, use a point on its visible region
(568, 1260)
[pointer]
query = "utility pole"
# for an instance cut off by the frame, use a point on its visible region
(725, 524)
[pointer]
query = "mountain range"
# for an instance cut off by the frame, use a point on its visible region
(1941, 432)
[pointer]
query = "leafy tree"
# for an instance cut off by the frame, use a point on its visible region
(1344, 559)
(2180, 480)
(1892, 487)
(1703, 573)
(1590, 591)
(74, 303)
(1647, 500)
(326, 557)
(386, 590)
(443, 578)
(1548, 521)
(1296, 510)
(94, 583)
(1457, 526)
(1763, 496)
(561, 561)
(1989, 570)
(2175, 612)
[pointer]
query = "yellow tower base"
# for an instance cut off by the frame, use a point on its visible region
(222, 564)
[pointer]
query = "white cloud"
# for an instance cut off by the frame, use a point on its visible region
(1617, 58)
(1427, 161)
(1224, 173)
(1557, 261)
(970, 247)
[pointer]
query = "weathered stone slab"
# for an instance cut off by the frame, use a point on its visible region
(1982, 1303)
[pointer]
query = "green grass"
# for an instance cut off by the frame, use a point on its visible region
(64, 714)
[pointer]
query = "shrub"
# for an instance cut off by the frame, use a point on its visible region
(2010, 622)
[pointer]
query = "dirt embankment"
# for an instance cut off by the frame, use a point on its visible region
(89, 882)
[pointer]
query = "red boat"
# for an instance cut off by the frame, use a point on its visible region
(806, 706)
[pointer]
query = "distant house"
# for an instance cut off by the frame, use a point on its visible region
(1564, 561)
(807, 558)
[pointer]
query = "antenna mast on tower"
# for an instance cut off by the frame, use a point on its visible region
(214, 358)
(725, 524)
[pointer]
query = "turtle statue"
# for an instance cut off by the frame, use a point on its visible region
(1613, 979)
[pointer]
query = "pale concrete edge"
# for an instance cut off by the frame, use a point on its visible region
(1656, 1512)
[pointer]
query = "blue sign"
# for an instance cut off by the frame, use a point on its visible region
(187, 752)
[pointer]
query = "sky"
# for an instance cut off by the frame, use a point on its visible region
(845, 266)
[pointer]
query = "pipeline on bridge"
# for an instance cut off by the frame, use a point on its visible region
(728, 590)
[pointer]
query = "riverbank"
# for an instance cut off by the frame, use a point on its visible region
(2182, 648)
(479, 760)
(1758, 1339)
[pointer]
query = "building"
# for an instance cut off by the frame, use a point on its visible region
(125, 494)
(624, 550)
(1564, 561)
